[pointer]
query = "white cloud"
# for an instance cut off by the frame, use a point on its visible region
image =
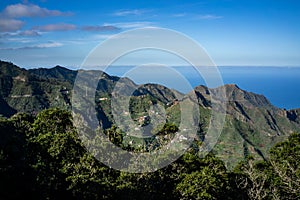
(37, 46)
(29, 33)
(126, 25)
(9, 17)
(7, 25)
(122, 13)
(55, 27)
(22, 10)
(209, 16)
(102, 36)
(48, 45)
(100, 28)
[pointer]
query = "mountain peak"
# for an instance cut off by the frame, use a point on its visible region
(248, 99)
(232, 86)
(58, 67)
(234, 94)
(9, 69)
(57, 72)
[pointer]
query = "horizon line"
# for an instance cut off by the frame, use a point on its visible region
(133, 65)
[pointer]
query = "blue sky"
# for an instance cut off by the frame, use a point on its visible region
(46, 33)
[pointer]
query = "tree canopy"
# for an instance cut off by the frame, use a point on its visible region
(42, 157)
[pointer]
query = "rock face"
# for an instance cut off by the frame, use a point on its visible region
(252, 123)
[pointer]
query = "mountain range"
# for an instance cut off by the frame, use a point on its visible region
(252, 124)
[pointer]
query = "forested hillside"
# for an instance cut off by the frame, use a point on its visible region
(252, 125)
(41, 157)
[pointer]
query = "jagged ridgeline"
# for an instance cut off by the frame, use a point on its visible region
(252, 125)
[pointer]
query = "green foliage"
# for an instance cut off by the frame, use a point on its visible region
(284, 162)
(115, 135)
(276, 178)
(16, 180)
(204, 178)
(252, 125)
(42, 157)
(169, 128)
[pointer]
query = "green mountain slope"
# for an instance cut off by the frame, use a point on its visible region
(24, 91)
(252, 126)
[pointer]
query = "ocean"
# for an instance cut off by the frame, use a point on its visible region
(281, 85)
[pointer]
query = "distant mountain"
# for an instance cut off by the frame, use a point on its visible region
(252, 123)
(29, 91)
(58, 72)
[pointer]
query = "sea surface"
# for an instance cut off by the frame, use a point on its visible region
(281, 85)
